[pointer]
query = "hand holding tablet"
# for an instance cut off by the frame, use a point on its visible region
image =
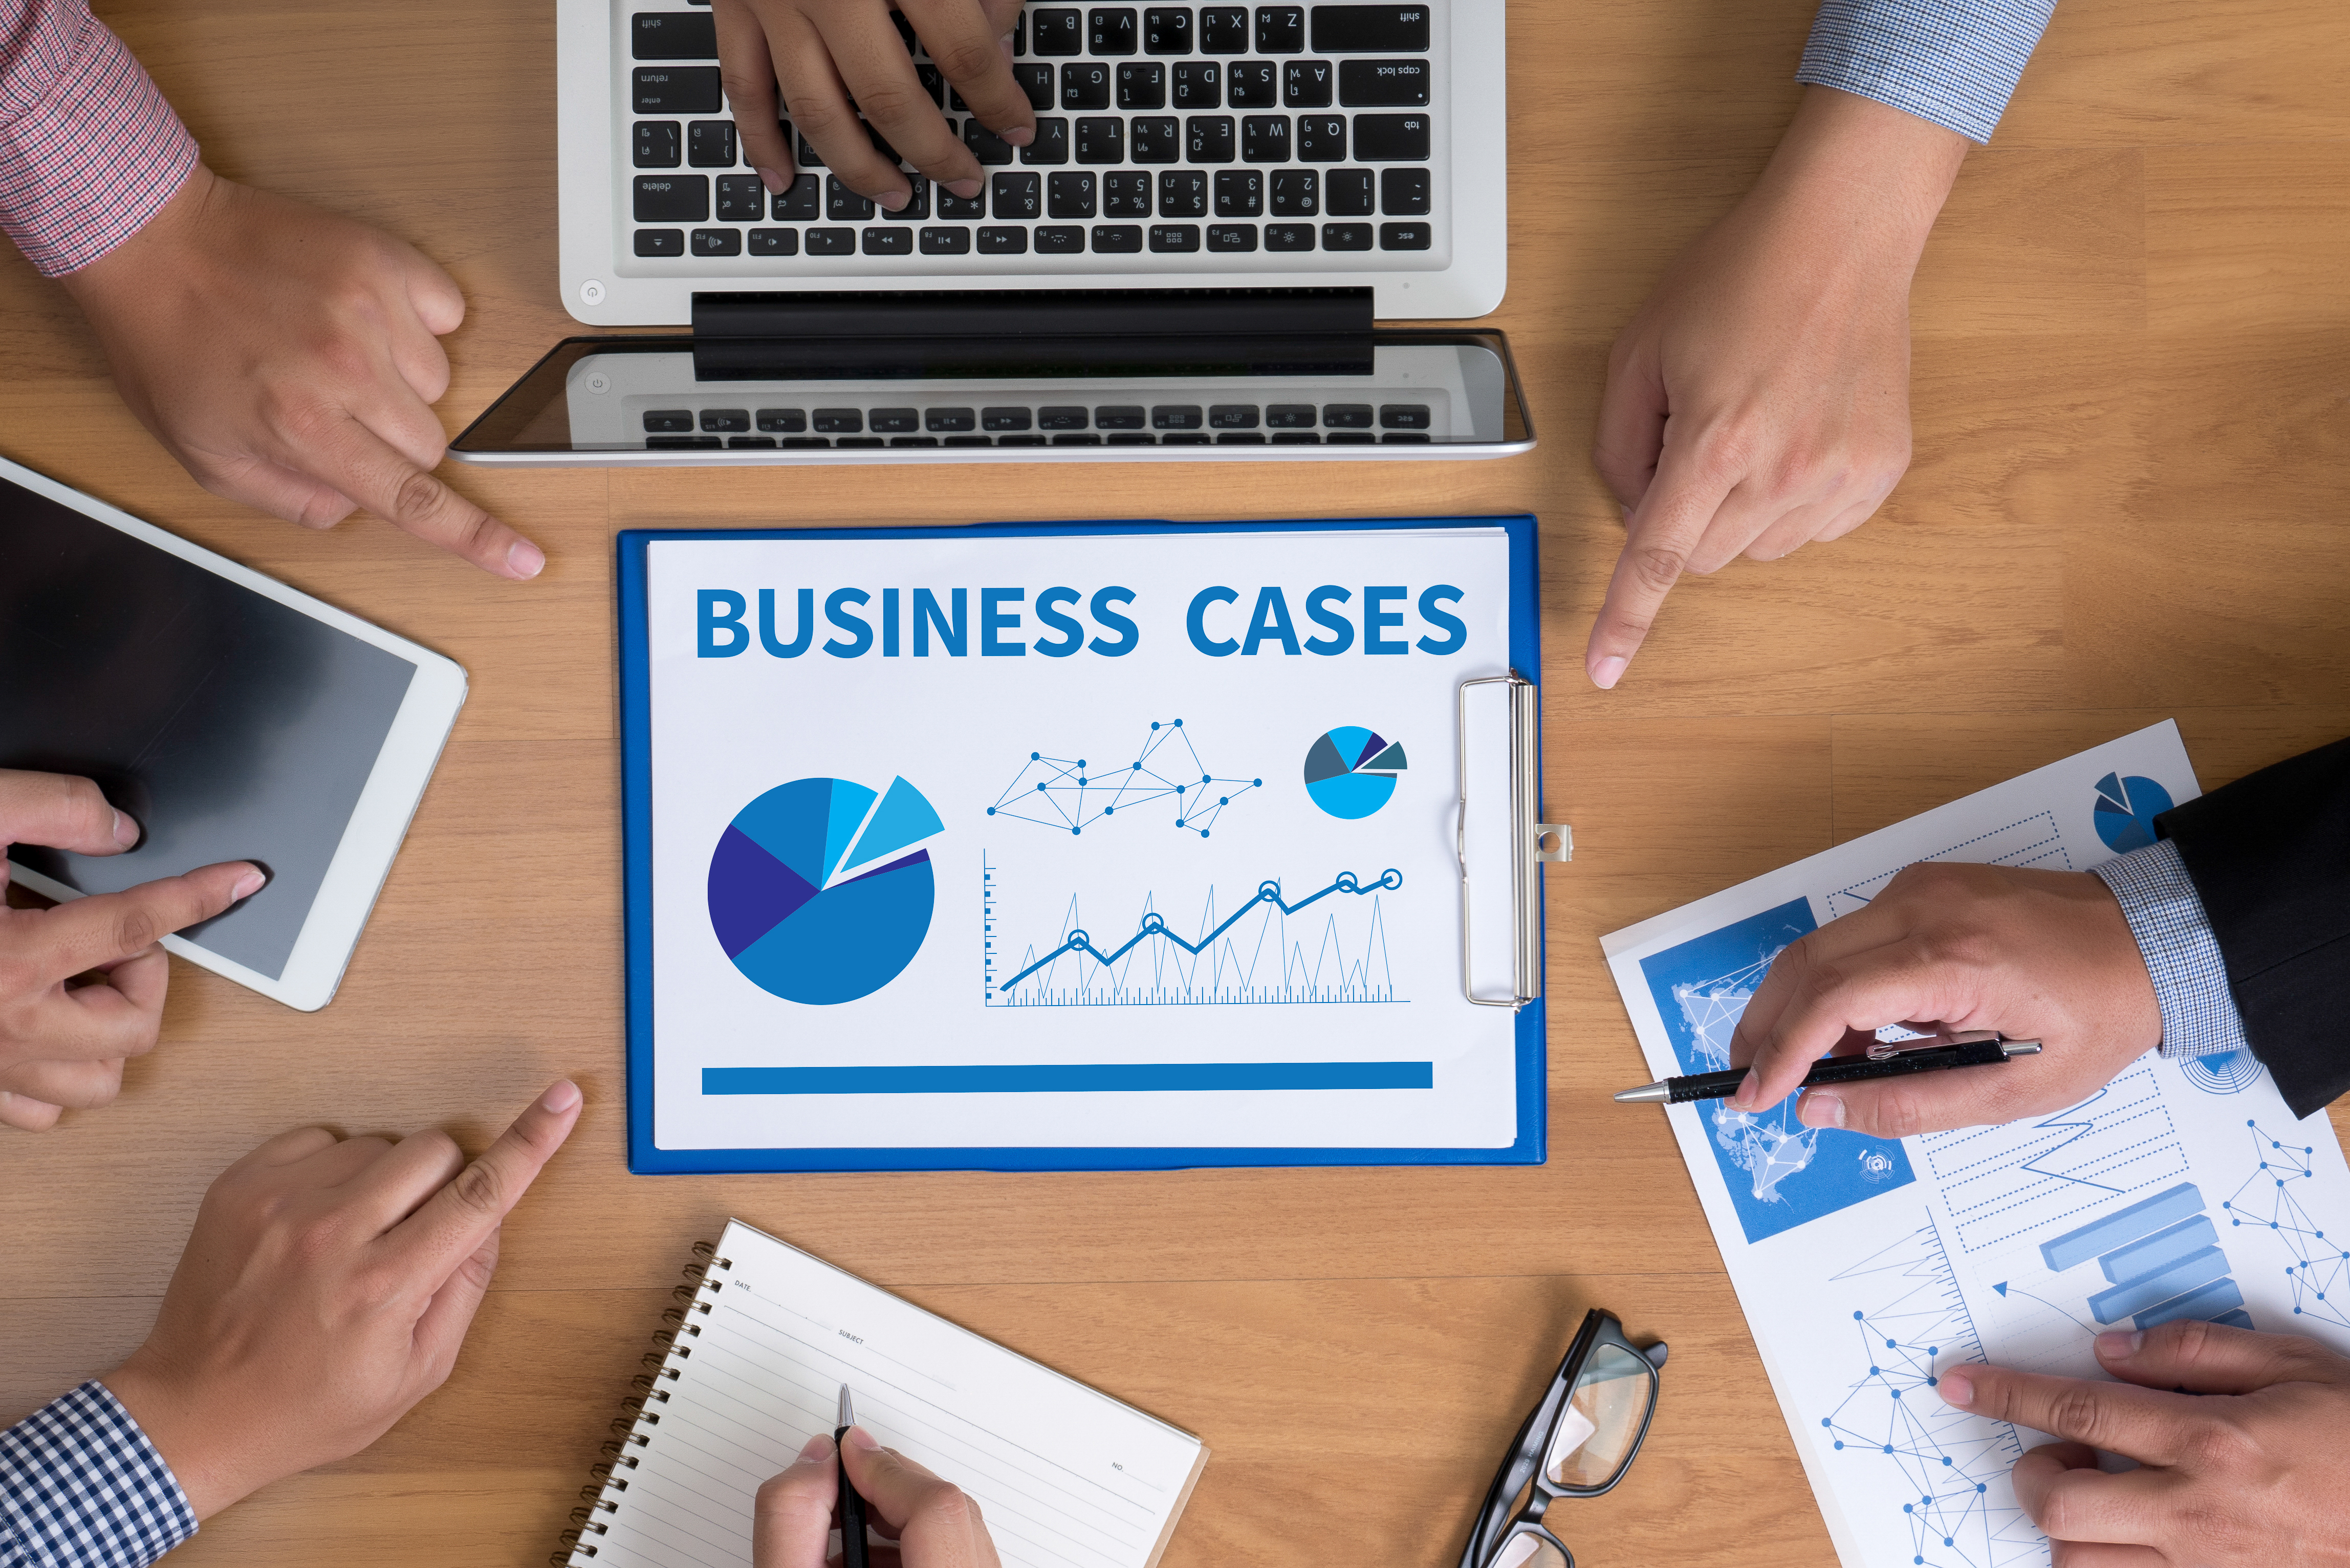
(61, 1045)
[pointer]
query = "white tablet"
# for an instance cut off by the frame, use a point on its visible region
(233, 716)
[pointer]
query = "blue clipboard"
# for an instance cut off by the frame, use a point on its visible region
(647, 1159)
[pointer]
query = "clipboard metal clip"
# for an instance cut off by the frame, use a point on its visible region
(1532, 842)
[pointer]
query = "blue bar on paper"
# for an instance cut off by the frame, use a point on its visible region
(1094, 1078)
(2211, 1303)
(2239, 1318)
(2197, 1267)
(2142, 1259)
(2121, 1227)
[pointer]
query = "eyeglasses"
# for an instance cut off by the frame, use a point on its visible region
(1578, 1442)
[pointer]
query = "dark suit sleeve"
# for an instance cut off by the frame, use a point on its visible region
(2270, 854)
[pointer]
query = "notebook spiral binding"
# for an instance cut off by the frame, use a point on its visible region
(638, 1426)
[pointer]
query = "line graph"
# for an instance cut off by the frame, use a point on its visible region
(1070, 793)
(1260, 953)
(2034, 841)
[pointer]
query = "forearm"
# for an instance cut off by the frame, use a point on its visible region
(89, 149)
(82, 1487)
(1952, 62)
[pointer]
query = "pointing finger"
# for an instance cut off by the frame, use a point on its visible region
(2137, 1423)
(455, 1221)
(61, 811)
(362, 465)
(84, 933)
(1661, 532)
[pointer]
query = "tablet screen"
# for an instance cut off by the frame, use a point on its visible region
(232, 727)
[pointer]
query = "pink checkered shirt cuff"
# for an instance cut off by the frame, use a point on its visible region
(89, 150)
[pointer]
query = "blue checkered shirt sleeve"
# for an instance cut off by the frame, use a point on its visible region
(1954, 62)
(82, 1487)
(2190, 979)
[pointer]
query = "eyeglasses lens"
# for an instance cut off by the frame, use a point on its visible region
(1602, 1420)
(1528, 1552)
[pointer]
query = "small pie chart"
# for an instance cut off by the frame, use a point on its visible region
(2126, 811)
(1350, 772)
(814, 894)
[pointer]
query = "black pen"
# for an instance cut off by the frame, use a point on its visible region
(1976, 1048)
(852, 1505)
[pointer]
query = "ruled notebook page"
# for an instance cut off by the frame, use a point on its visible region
(1065, 1476)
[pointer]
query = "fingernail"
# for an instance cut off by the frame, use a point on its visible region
(966, 189)
(560, 1096)
(249, 884)
(126, 832)
(1607, 672)
(2119, 1345)
(769, 178)
(1021, 137)
(889, 202)
(817, 1447)
(859, 1437)
(1744, 1099)
(525, 560)
(1956, 1388)
(1820, 1110)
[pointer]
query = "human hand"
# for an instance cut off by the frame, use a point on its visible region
(324, 1292)
(1761, 398)
(835, 57)
(2039, 955)
(62, 1044)
(288, 359)
(934, 1524)
(2246, 1467)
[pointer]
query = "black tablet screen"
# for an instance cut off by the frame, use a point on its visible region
(232, 726)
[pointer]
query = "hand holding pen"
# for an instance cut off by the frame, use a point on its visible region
(934, 1524)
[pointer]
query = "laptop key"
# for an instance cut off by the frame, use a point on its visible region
(1232, 439)
(839, 422)
(775, 242)
(668, 422)
(670, 443)
(941, 420)
(1085, 85)
(830, 241)
(918, 200)
(1208, 138)
(1167, 32)
(782, 422)
(1119, 417)
(860, 441)
(1233, 417)
(657, 144)
(971, 440)
(1143, 84)
(717, 242)
(1134, 439)
(1037, 81)
(1101, 140)
(906, 33)
(1175, 238)
(1165, 417)
(1154, 140)
(953, 206)
(673, 198)
(1125, 194)
(843, 205)
(991, 149)
(1346, 236)
(1350, 438)
(1118, 239)
(1110, 30)
(1020, 441)
(1240, 193)
(1225, 30)
(1346, 192)
(1406, 237)
(1182, 194)
(1199, 84)
(1295, 193)
(954, 242)
(709, 144)
(738, 444)
(913, 440)
(1397, 438)
(1392, 417)
(1231, 236)
(1052, 143)
(804, 154)
(1346, 416)
(1061, 418)
(889, 242)
(1295, 438)
(1289, 236)
(894, 422)
(1306, 84)
(1291, 417)
(676, 89)
(803, 441)
(673, 35)
(1058, 33)
(934, 82)
(1403, 193)
(1004, 419)
(801, 202)
(1370, 29)
(1264, 138)
(741, 199)
(1280, 29)
(723, 420)
(1002, 241)
(1070, 193)
(1060, 240)
(1200, 440)
(1382, 84)
(1019, 195)
(1391, 138)
(1322, 139)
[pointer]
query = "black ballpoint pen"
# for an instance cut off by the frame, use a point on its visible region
(1976, 1048)
(852, 1505)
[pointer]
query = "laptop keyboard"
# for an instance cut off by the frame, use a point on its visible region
(1168, 137)
(941, 425)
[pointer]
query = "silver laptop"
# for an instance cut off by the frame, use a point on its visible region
(1187, 261)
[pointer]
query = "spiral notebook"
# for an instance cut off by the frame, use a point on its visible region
(1065, 1476)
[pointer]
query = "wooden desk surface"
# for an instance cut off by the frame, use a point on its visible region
(2127, 503)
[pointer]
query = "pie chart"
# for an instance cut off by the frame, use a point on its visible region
(1351, 771)
(812, 893)
(2126, 811)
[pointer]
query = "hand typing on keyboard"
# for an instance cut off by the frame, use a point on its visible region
(837, 57)
(289, 358)
(1761, 398)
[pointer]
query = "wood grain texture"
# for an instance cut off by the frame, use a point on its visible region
(2133, 433)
